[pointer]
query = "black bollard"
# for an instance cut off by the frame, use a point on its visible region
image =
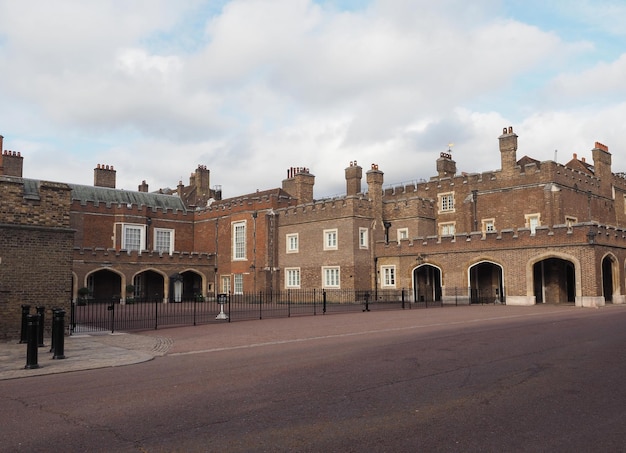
(24, 333)
(32, 329)
(41, 311)
(54, 310)
(58, 333)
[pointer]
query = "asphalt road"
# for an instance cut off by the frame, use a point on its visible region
(505, 379)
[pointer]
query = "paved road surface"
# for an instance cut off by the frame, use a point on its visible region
(493, 378)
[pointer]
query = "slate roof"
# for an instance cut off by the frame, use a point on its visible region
(110, 196)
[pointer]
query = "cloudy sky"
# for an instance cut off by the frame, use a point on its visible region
(250, 88)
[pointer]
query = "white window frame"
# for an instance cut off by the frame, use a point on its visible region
(237, 283)
(532, 221)
(403, 233)
(142, 236)
(331, 239)
(447, 229)
(239, 240)
(225, 284)
(446, 202)
(170, 246)
(331, 277)
(388, 274)
(489, 225)
(292, 277)
(293, 242)
(363, 238)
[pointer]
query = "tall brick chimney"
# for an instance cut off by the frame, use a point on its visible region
(201, 181)
(11, 163)
(508, 150)
(104, 176)
(354, 173)
(446, 167)
(602, 167)
(143, 187)
(299, 183)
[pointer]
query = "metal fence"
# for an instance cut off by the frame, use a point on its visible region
(111, 315)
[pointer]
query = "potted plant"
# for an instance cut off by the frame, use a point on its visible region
(130, 294)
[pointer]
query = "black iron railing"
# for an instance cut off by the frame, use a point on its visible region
(114, 315)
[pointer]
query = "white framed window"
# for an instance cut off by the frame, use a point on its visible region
(225, 284)
(164, 240)
(292, 243)
(292, 277)
(403, 233)
(330, 239)
(532, 221)
(388, 276)
(489, 225)
(238, 283)
(446, 202)
(331, 277)
(133, 237)
(363, 238)
(239, 240)
(447, 229)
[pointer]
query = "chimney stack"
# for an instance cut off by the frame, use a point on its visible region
(143, 187)
(354, 173)
(104, 176)
(508, 151)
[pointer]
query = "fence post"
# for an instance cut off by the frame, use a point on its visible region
(24, 331)
(324, 301)
(156, 312)
(260, 309)
(314, 303)
(195, 301)
(289, 303)
(72, 316)
(111, 308)
(32, 327)
(402, 298)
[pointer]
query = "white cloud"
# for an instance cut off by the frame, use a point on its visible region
(251, 89)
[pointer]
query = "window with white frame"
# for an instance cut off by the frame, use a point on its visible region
(238, 283)
(239, 240)
(292, 277)
(292, 243)
(363, 238)
(446, 202)
(330, 276)
(133, 237)
(403, 233)
(532, 222)
(330, 239)
(447, 229)
(163, 240)
(489, 225)
(389, 276)
(225, 280)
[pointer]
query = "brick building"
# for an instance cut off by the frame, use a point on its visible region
(35, 244)
(529, 232)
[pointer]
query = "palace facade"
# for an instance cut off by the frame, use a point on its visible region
(529, 232)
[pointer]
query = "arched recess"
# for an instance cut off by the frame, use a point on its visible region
(194, 284)
(554, 280)
(427, 283)
(105, 284)
(151, 285)
(610, 277)
(486, 283)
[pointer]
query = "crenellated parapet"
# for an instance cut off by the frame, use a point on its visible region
(514, 239)
(145, 256)
(330, 208)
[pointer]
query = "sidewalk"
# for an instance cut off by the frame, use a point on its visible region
(82, 352)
